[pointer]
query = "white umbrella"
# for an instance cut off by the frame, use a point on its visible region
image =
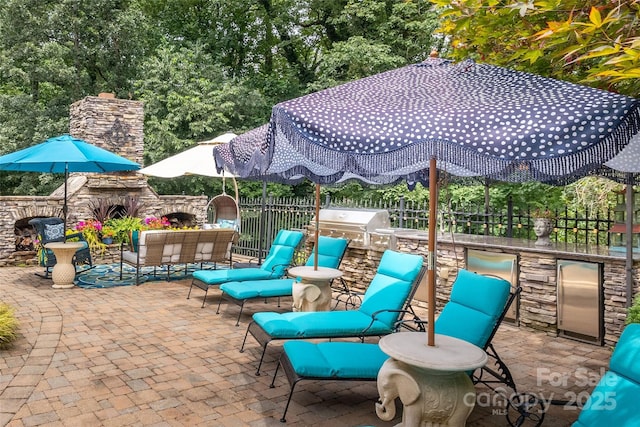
(197, 160)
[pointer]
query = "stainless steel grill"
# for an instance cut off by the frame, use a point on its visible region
(353, 224)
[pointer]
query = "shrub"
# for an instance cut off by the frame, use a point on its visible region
(633, 315)
(8, 325)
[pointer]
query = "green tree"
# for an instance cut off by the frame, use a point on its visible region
(51, 55)
(592, 42)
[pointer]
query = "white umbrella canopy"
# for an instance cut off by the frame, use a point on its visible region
(197, 160)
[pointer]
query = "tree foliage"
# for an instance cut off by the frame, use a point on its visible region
(205, 67)
(592, 42)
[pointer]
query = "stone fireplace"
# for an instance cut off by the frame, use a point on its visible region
(115, 125)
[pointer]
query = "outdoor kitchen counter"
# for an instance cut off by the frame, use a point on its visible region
(537, 273)
(560, 250)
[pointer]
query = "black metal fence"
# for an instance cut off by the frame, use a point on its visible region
(591, 228)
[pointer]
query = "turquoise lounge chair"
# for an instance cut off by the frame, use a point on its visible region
(614, 401)
(277, 261)
(385, 300)
(330, 253)
(474, 312)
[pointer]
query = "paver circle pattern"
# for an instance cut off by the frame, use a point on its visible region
(147, 356)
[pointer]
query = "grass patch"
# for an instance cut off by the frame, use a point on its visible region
(8, 325)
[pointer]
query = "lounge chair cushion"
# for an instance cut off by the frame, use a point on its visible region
(258, 288)
(391, 285)
(215, 277)
(335, 359)
(273, 267)
(330, 252)
(318, 324)
(614, 401)
(476, 301)
(389, 289)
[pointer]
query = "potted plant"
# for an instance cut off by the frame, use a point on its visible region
(91, 231)
(123, 228)
(107, 235)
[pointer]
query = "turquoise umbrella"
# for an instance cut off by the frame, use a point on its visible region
(64, 154)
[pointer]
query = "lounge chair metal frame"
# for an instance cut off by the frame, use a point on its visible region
(500, 375)
(334, 262)
(276, 270)
(264, 338)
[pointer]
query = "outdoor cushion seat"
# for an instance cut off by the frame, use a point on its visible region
(278, 259)
(337, 360)
(386, 299)
(614, 400)
(474, 312)
(330, 253)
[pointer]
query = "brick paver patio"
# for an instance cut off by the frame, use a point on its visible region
(147, 356)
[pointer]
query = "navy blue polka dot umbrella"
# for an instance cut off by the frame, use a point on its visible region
(475, 119)
(468, 119)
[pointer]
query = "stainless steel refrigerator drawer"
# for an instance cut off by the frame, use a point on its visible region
(579, 287)
(498, 264)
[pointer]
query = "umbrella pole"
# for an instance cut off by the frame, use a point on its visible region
(263, 213)
(315, 256)
(64, 205)
(431, 258)
(629, 241)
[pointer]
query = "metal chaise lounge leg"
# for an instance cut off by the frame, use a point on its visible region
(274, 266)
(388, 294)
(473, 314)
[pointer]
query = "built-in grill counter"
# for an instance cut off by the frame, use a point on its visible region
(537, 273)
(356, 225)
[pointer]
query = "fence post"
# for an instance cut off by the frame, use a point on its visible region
(401, 213)
(509, 216)
(269, 236)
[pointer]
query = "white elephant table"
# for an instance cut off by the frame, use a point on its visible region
(431, 381)
(312, 289)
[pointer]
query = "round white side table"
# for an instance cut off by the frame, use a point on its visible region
(431, 381)
(63, 273)
(313, 292)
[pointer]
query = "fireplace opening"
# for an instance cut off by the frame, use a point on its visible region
(181, 219)
(25, 235)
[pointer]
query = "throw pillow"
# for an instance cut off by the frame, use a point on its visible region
(226, 223)
(53, 232)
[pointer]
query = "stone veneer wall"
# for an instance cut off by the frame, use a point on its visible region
(114, 124)
(537, 277)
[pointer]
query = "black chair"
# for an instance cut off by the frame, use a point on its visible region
(52, 230)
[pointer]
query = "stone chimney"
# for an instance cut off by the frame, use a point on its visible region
(114, 124)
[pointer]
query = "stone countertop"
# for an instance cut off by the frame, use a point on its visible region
(508, 244)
